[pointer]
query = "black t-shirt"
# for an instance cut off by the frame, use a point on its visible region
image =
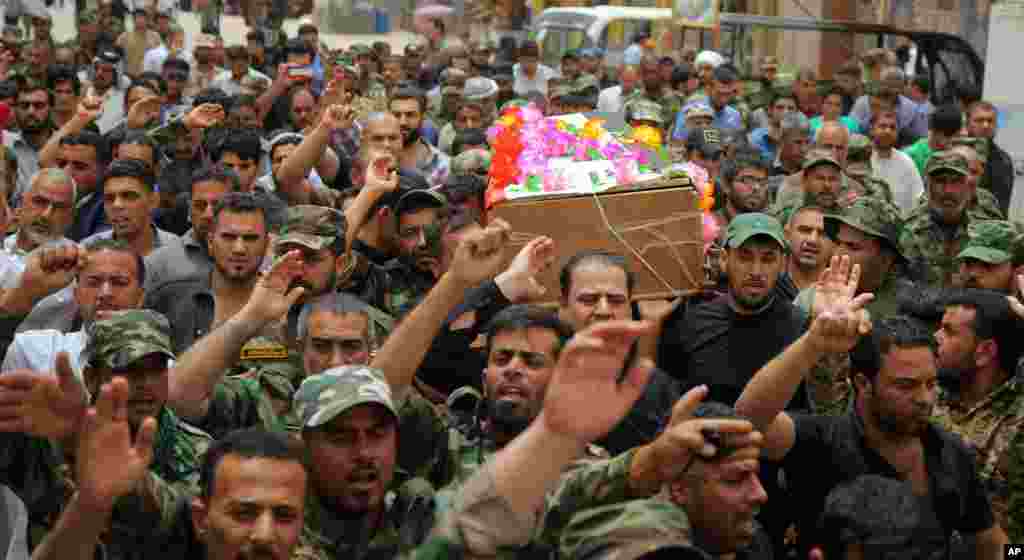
(713, 345)
(830, 450)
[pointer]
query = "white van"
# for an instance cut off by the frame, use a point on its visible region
(560, 29)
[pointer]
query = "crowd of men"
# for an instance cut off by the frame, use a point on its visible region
(251, 306)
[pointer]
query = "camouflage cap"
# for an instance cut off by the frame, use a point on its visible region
(324, 396)
(871, 215)
(88, 16)
(979, 145)
(359, 49)
(817, 156)
(947, 160)
(124, 337)
(698, 110)
(559, 91)
(586, 84)
(991, 241)
(858, 159)
(745, 226)
(475, 161)
(628, 531)
(645, 110)
(311, 226)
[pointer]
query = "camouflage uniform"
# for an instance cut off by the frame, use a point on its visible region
(644, 110)
(931, 247)
(472, 162)
(628, 530)
(993, 428)
(829, 382)
(42, 474)
(670, 102)
(409, 511)
(789, 199)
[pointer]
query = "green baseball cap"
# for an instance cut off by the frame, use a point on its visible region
(314, 227)
(124, 337)
(645, 110)
(947, 160)
(88, 16)
(322, 397)
(359, 49)
(991, 241)
(817, 156)
(628, 531)
(745, 226)
(871, 215)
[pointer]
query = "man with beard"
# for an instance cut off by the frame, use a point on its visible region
(992, 258)
(768, 138)
(931, 240)
(259, 472)
(720, 96)
(978, 347)
(656, 89)
(45, 213)
(794, 141)
(106, 275)
(407, 105)
(867, 233)
(810, 250)
(820, 183)
(744, 179)
(129, 200)
(32, 114)
(422, 217)
(45, 415)
(886, 433)
(237, 243)
(107, 85)
(982, 122)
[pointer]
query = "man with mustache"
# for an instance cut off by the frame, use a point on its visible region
(931, 240)
(44, 415)
(978, 346)
(250, 505)
(886, 433)
(866, 232)
(810, 250)
(992, 258)
(32, 114)
(105, 276)
(408, 105)
(45, 215)
(129, 200)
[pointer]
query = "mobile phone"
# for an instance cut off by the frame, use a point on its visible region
(300, 72)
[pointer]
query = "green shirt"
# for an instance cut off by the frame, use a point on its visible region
(919, 151)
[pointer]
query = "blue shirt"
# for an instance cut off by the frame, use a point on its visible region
(728, 118)
(759, 139)
(910, 119)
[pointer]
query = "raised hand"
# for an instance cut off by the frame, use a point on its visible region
(89, 109)
(585, 398)
(109, 464)
(49, 269)
(204, 116)
(42, 404)
(336, 117)
(684, 438)
(519, 281)
(480, 254)
(839, 316)
(144, 111)
(271, 299)
(381, 172)
(1015, 302)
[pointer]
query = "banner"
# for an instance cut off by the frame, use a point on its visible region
(696, 13)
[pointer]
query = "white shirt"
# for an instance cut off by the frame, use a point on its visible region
(610, 100)
(902, 175)
(230, 86)
(523, 84)
(37, 350)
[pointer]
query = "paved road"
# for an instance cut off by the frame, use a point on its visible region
(233, 30)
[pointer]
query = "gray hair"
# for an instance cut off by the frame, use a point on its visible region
(54, 175)
(338, 303)
(794, 122)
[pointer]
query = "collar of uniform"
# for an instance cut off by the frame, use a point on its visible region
(937, 452)
(328, 530)
(1004, 397)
